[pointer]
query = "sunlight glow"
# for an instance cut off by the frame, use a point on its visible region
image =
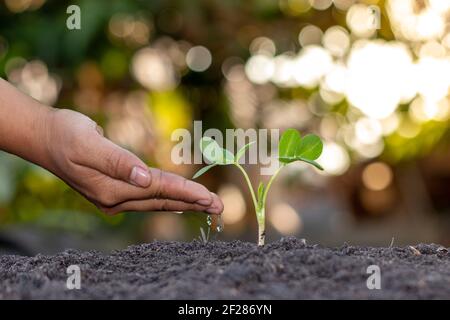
(334, 159)
(285, 219)
(234, 204)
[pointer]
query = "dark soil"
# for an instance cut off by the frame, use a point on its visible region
(287, 269)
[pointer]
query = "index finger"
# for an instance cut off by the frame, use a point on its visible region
(166, 185)
(163, 185)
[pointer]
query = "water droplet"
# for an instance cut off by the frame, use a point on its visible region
(219, 227)
(209, 220)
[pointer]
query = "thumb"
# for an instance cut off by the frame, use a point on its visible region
(118, 163)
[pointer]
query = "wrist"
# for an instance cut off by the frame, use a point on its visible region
(23, 124)
(43, 124)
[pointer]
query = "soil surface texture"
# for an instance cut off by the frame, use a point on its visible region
(286, 269)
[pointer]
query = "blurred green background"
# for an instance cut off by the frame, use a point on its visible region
(371, 77)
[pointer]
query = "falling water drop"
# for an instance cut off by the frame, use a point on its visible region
(219, 227)
(209, 220)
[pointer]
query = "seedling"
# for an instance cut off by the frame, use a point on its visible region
(204, 236)
(292, 147)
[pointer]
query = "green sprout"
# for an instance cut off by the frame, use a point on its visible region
(292, 147)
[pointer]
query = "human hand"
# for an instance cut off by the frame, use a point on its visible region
(112, 178)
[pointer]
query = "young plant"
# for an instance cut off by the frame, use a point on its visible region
(292, 147)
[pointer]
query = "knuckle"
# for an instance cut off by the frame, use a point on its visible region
(165, 205)
(156, 205)
(106, 199)
(160, 205)
(114, 162)
(184, 183)
(158, 183)
(151, 174)
(90, 195)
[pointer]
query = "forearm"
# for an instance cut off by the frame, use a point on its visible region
(69, 144)
(22, 124)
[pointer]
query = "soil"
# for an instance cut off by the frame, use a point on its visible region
(286, 269)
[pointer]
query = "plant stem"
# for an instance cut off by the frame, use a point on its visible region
(247, 179)
(261, 217)
(261, 210)
(260, 204)
(266, 191)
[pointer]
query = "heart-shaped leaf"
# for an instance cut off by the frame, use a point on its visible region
(309, 148)
(206, 141)
(289, 143)
(203, 170)
(214, 153)
(227, 158)
(241, 151)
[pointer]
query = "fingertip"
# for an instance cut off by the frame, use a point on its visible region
(216, 206)
(215, 211)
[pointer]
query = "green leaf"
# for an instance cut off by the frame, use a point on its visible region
(210, 149)
(292, 159)
(310, 147)
(206, 141)
(312, 162)
(287, 159)
(241, 152)
(227, 157)
(289, 143)
(261, 189)
(203, 170)
(214, 153)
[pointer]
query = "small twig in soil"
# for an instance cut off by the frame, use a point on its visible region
(204, 237)
(392, 242)
(415, 251)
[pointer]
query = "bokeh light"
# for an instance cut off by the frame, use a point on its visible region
(260, 68)
(294, 7)
(285, 219)
(311, 65)
(321, 4)
(234, 204)
(198, 58)
(310, 35)
(34, 79)
(336, 40)
(154, 70)
(18, 6)
(377, 176)
(334, 159)
(362, 19)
